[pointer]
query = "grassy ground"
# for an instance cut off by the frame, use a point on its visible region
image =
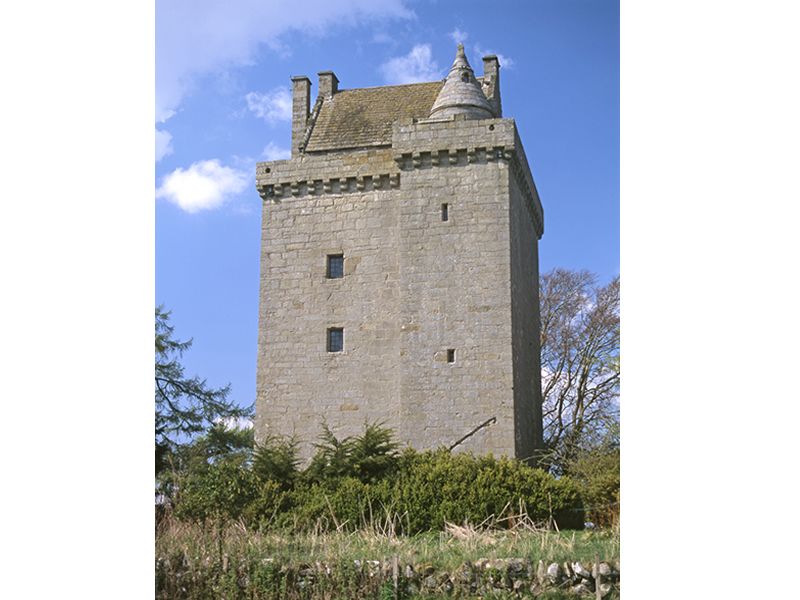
(445, 550)
(195, 562)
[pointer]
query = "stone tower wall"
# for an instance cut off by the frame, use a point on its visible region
(414, 287)
(525, 324)
(299, 383)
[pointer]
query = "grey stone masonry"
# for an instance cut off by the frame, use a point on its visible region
(328, 83)
(491, 83)
(462, 93)
(301, 98)
(438, 305)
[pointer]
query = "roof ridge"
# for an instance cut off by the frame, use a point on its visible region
(380, 87)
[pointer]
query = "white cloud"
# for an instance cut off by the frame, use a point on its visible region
(506, 62)
(206, 184)
(163, 144)
(418, 65)
(232, 423)
(458, 36)
(275, 152)
(199, 37)
(273, 106)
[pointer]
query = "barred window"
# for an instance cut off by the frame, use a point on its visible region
(335, 266)
(335, 339)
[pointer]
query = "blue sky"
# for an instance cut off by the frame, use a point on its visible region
(222, 103)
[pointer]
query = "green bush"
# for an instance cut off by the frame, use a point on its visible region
(346, 503)
(268, 507)
(362, 481)
(434, 487)
(427, 489)
(597, 474)
(275, 460)
(221, 490)
(367, 457)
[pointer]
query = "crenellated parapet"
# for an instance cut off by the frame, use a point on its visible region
(415, 144)
(327, 173)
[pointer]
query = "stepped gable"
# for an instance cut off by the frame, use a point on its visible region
(363, 117)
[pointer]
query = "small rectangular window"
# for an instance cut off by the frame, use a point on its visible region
(335, 266)
(335, 339)
(451, 355)
(445, 215)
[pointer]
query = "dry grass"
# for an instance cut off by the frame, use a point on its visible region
(446, 549)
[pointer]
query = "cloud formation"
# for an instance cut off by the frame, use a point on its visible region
(234, 423)
(206, 184)
(273, 106)
(458, 36)
(416, 66)
(506, 62)
(274, 152)
(163, 144)
(198, 37)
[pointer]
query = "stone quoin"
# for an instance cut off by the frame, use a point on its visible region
(399, 268)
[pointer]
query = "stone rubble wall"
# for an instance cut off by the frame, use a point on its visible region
(476, 579)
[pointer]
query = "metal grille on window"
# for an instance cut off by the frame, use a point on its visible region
(335, 339)
(335, 266)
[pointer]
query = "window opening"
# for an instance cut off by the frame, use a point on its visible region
(335, 266)
(335, 339)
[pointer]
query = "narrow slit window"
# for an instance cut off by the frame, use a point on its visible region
(451, 355)
(335, 266)
(445, 213)
(335, 339)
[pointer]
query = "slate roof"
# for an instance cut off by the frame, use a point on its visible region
(363, 116)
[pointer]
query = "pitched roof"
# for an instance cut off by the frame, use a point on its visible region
(363, 116)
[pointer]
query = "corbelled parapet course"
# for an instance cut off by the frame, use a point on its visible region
(399, 268)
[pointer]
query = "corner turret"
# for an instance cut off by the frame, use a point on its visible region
(461, 93)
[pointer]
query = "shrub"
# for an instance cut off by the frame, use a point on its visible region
(434, 487)
(332, 458)
(269, 506)
(360, 481)
(367, 457)
(374, 453)
(597, 474)
(276, 460)
(345, 503)
(222, 490)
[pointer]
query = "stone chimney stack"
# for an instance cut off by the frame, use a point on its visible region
(301, 103)
(491, 83)
(328, 84)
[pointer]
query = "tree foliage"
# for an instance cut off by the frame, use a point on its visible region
(276, 459)
(362, 481)
(366, 457)
(580, 334)
(185, 406)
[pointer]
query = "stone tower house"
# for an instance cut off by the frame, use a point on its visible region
(399, 268)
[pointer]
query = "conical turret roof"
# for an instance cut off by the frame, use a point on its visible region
(461, 93)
